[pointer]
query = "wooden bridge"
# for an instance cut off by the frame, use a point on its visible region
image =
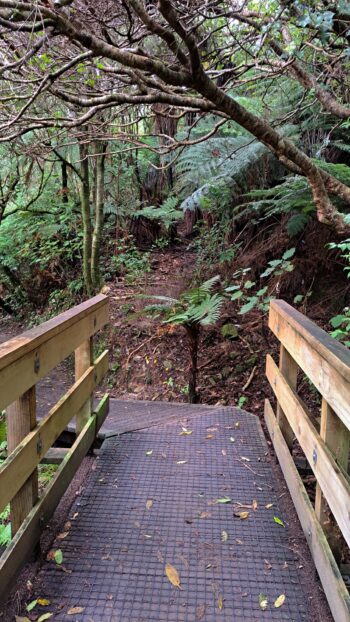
(180, 519)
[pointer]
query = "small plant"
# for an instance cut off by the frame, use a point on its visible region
(341, 325)
(241, 401)
(261, 298)
(129, 261)
(195, 308)
(5, 527)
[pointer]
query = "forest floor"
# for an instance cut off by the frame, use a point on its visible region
(149, 359)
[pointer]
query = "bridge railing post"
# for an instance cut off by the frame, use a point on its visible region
(83, 360)
(289, 369)
(337, 438)
(21, 419)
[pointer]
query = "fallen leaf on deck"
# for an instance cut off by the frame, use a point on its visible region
(267, 564)
(268, 506)
(149, 452)
(239, 541)
(44, 602)
(147, 536)
(185, 432)
(58, 556)
(241, 515)
(73, 610)
(172, 575)
(21, 619)
(220, 602)
(224, 452)
(181, 462)
(245, 459)
(210, 435)
(224, 500)
(278, 521)
(200, 612)
(224, 536)
(31, 605)
(205, 515)
(237, 425)
(63, 535)
(44, 617)
(254, 504)
(232, 439)
(67, 526)
(280, 600)
(263, 601)
(212, 429)
(149, 504)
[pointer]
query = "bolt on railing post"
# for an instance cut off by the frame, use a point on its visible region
(83, 360)
(21, 419)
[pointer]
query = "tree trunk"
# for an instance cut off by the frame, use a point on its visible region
(192, 331)
(84, 188)
(98, 225)
(64, 173)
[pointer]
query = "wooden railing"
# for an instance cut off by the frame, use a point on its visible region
(24, 360)
(326, 363)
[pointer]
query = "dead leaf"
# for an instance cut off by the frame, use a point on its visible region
(205, 515)
(220, 602)
(210, 435)
(73, 610)
(185, 432)
(241, 515)
(245, 459)
(149, 504)
(149, 452)
(63, 535)
(21, 619)
(181, 462)
(224, 536)
(172, 575)
(267, 564)
(67, 526)
(237, 425)
(44, 602)
(212, 429)
(200, 612)
(254, 504)
(232, 439)
(263, 601)
(224, 452)
(268, 506)
(280, 600)
(44, 617)
(239, 541)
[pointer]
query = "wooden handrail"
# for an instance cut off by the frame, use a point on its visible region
(326, 362)
(24, 360)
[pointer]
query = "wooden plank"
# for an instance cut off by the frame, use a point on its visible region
(324, 360)
(29, 533)
(54, 455)
(336, 437)
(289, 369)
(101, 412)
(16, 348)
(333, 584)
(33, 361)
(334, 483)
(14, 471)
(21, 419)
(83, 360)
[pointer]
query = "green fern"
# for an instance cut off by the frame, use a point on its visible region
(167, 213)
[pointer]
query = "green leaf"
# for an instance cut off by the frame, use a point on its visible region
(337, 320)
(44, 617)
(237, 295)
(252, 302)
(278, 521)
(224, 500)
(31, 605)
(58, 556)
(288, 254)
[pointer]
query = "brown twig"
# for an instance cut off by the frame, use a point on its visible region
(249, 380)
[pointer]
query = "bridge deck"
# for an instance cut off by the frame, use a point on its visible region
(153, 500)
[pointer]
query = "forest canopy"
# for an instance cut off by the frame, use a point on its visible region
(194, 93)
